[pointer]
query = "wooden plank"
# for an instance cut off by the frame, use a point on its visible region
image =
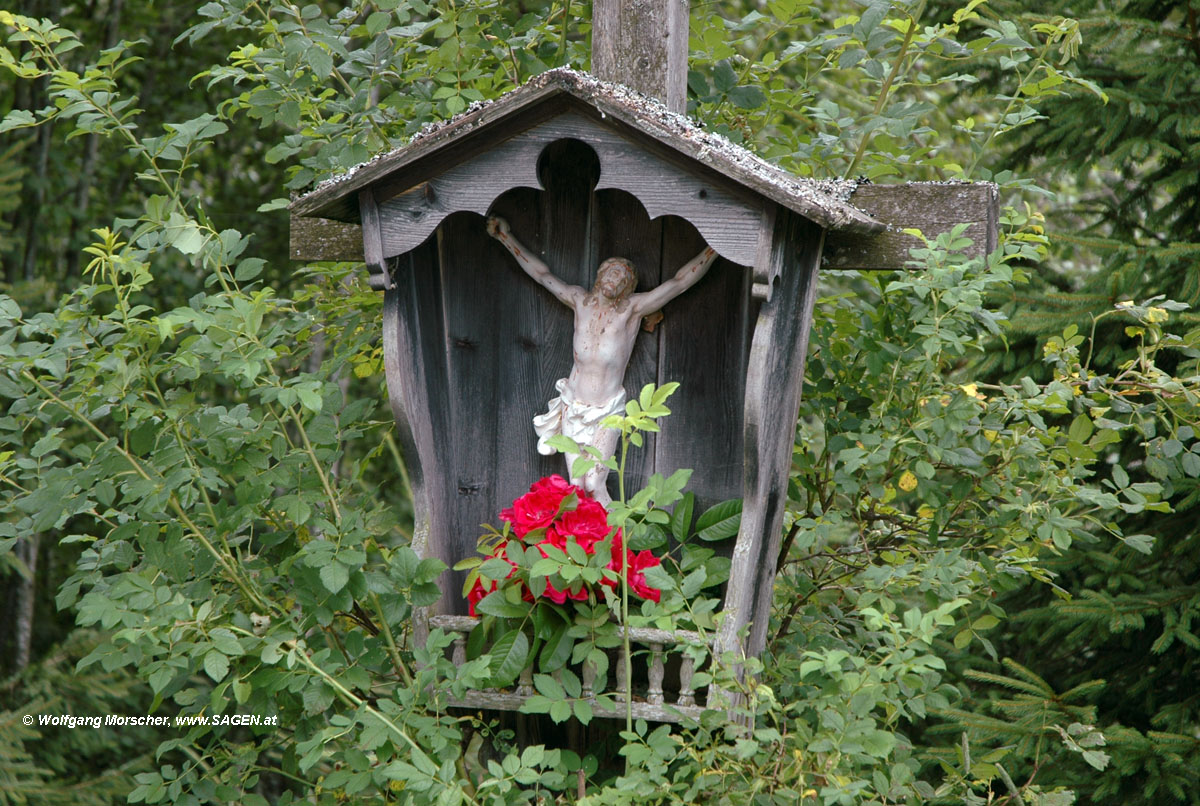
(477, 308)
(372, 238)
(704, 340)
(317, 239)
(644, 46)
(773, 383)
(417, 389)
(932, 207)
(727, 217)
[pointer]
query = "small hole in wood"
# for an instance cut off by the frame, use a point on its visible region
(703, 193)
(568, 162)
(463, 343)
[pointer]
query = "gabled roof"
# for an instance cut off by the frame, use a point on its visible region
(644, 119)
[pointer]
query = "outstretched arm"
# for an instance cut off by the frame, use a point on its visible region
(685, 278)
(566, 294)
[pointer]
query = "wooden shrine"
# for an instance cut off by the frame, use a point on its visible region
(585, 170)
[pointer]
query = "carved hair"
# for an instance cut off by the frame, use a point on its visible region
(630, 276)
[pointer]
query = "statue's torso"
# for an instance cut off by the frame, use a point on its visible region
(603, 342)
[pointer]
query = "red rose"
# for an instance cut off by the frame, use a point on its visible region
(637, 580)
(560, 597)
(476, 594)
(637, 563)
(478, 591)
(588, 523)
(538, 507)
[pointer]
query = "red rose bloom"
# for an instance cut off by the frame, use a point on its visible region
(588, 523)
(476, 594)
(637, 580)
(478, 591)
(637, 563)
(538, 507)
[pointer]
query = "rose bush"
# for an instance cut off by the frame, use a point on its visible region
(565, 525)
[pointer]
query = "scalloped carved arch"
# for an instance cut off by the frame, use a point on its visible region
(732, 224)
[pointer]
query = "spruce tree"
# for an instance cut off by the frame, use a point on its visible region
(1123, 625)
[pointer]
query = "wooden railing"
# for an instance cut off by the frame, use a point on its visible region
(660, 701)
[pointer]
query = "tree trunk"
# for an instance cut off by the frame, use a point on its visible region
(26, 594)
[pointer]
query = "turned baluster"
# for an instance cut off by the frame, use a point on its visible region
(525, 684)
(589, 679)
(460, 649)
(620, 693)
(687, 667)
(655, 695)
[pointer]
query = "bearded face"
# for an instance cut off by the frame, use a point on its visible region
(615, 279)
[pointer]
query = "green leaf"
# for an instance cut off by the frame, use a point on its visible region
(724, 77)
(188, 239)
(721, 521)
(216, 665)
(496, 604)
(334, 576)
(681, 517)
(1140, 543)
(549, 687)
(747, 97)
(560, 711)
(556, 651)
(1191, 464)
(225, 641)
(320, 61)
(1081, 428)
(509, 656)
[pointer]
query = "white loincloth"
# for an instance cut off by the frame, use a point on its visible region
(567, 416)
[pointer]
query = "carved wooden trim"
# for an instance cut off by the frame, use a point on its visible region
(930, 207)
(728, 219)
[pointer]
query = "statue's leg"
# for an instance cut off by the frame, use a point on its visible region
(595, 481)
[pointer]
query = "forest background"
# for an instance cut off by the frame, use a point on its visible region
(991, 574)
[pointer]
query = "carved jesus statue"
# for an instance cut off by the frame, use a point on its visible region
(606, 324)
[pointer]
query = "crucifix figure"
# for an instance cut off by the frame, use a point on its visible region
(606, 324)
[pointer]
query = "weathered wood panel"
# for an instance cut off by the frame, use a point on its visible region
(932, 207)
(774, 379)
(415, 367)
(317, 239)
(727, 217)
(704, 339)
(643, 45)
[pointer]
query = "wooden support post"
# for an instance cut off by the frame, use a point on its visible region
(643, 44)
(774, 378)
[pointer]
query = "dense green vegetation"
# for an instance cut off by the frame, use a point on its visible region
(989, 578)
